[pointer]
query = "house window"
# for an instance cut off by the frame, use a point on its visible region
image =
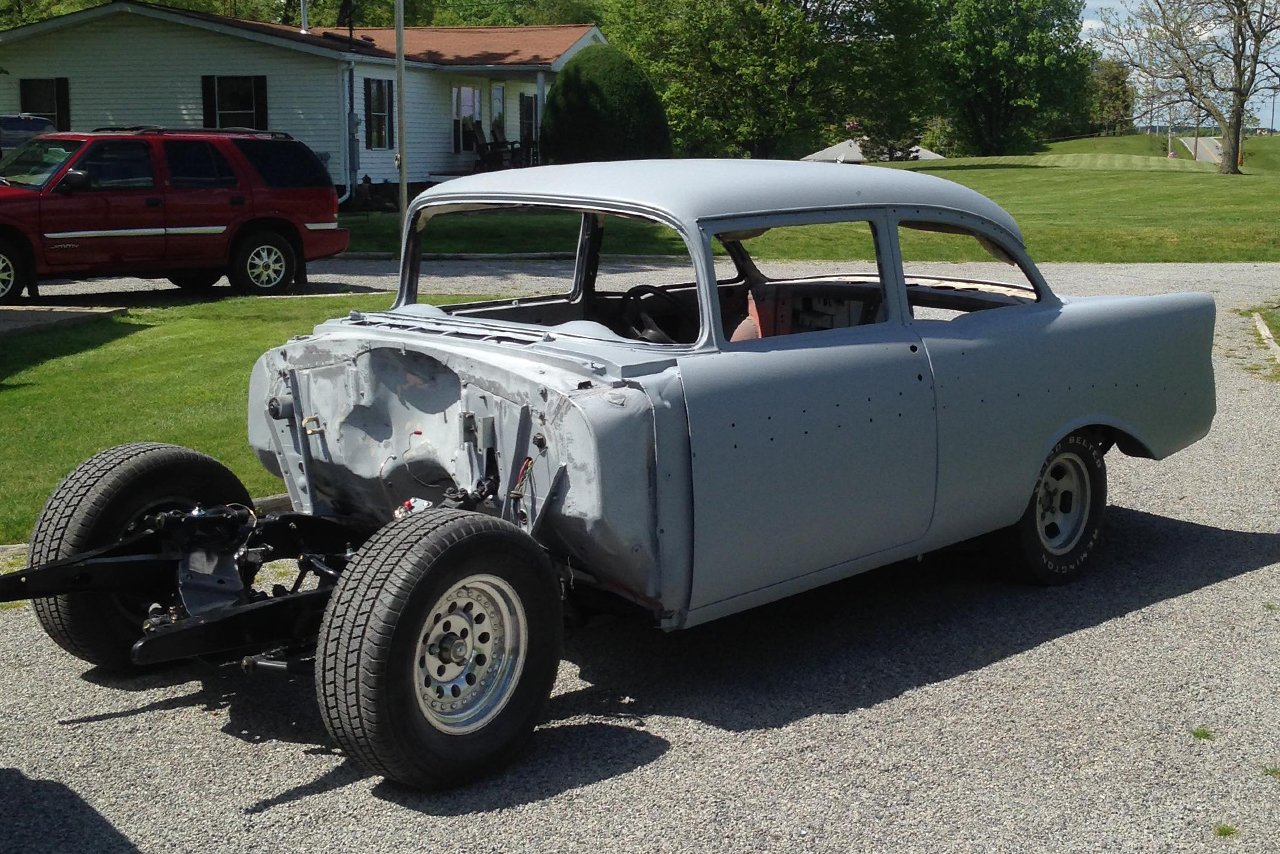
(498, 111)
(234, 102)
(48, 98)
(378, 127)
(466, 113)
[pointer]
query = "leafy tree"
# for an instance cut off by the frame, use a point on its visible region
(737, 77)
(1007, 66)
(602, 107)
(889, 56)
(1217, 54)
(1113, 97)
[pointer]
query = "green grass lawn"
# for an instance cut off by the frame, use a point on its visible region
(176, 375)
(1141, 144)
(1109, 203)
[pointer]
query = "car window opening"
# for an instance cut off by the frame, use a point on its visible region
(583, 272)
(949, 272)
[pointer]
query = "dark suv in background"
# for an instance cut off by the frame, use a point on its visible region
(15, 130)
(186, 205)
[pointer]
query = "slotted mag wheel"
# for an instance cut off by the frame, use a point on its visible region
(1062, 503)
(266, 266)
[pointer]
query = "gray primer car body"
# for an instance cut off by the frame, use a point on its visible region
(703, 478)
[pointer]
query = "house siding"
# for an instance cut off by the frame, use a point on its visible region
(132, 70)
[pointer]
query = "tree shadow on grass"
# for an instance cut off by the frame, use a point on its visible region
(24, 350)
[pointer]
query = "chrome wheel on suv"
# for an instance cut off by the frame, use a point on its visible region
(12, 277)
(263, 263)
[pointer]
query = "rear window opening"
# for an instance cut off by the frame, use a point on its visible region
(951, 272)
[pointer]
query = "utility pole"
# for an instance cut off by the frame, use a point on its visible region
(400, 123)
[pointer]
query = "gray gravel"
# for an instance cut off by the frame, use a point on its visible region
(932, 707)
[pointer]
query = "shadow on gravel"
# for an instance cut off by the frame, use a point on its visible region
(44, 817)
(857, 643)
(845, 647)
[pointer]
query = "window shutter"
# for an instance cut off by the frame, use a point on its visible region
(62, 98)
(368, 113)
(209, 97)
(261, 119)
(391, 115)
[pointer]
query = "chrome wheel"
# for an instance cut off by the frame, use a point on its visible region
(471, 652)
(266, 266)
(1062, 503)
(8, 275)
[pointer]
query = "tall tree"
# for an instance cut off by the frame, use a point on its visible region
(1009, 65)
(890, 53)
(737, 77)
(1113, 97)
(1217, 54)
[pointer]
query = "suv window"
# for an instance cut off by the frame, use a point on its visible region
(284, 163)
(119, 165)
(195, 165)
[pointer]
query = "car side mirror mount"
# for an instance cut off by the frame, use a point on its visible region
(75, 179)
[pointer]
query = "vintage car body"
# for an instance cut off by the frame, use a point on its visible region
(704, 478)
(695, 447)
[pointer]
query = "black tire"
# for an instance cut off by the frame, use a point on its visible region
(94, 506)
(262, 263)
(13, 272)
(197, 282)
(379, 701)
(1053, 541)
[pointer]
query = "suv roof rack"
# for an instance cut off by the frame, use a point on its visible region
(274, 134)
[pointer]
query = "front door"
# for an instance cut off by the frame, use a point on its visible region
(117, 223)
(808, 451)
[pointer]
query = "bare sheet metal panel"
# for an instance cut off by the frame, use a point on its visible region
(808, 451)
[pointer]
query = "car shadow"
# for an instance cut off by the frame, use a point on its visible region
(848, 646)
(46, 817)
(25, 350)
(873, 637)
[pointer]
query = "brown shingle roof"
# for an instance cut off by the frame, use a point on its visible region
(541, 45)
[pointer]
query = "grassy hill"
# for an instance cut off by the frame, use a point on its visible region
(1139, 144)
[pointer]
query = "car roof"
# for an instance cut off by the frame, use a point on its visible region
(693, 190)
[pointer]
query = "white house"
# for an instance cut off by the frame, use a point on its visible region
(128, 63)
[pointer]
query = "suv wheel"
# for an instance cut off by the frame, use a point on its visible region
(263, 263)
(13, 272)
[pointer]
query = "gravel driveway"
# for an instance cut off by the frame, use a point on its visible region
(923, 707)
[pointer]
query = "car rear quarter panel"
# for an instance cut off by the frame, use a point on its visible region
(1013, 381)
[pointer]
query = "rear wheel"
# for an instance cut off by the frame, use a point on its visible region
(439, 647)
(93, 507)
(1052, 542)
(198, 282)
(263, 263)
(13, 272)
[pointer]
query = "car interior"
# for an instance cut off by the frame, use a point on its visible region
(599, 302)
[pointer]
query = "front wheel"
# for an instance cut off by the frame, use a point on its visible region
(439, 648)
(263, 263)
(13, 272)
(95, 506)
(1052, 542)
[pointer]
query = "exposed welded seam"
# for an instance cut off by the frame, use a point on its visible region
(1267, 337)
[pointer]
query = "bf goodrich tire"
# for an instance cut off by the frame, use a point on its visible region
(439, 648)
(94, 507)
(1055, 538)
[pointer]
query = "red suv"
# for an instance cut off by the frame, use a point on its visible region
(188, 205)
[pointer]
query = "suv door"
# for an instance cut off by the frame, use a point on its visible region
(117, 222)
(203, 201)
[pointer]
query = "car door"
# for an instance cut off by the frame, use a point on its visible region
(808, 451)
(116, 223)
(203, 201)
